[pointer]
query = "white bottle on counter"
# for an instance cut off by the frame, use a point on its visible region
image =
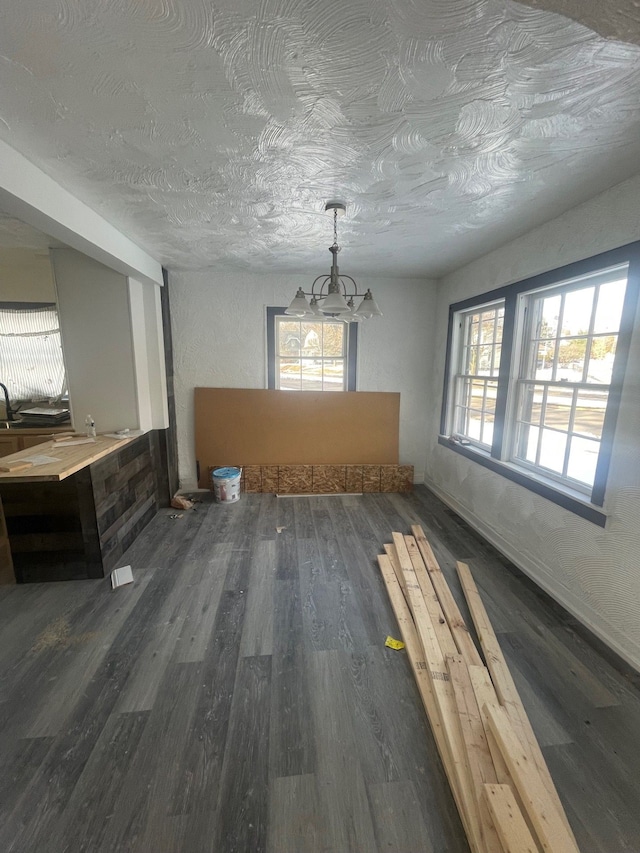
(91, 426)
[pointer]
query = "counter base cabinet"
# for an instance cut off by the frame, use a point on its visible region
(9, 444)
(81, 526)
(6, 562)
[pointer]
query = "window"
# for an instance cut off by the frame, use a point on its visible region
(571, 336)
(310, 355)
(31, 363)
(534, 377)
(476, 380)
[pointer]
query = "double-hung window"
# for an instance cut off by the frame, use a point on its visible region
(534, 377)
(476, 376)
(310, 355)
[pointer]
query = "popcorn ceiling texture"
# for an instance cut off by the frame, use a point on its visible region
(215, 131)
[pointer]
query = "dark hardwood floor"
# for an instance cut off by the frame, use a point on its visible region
(239, 697)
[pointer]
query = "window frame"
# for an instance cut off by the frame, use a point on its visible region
(350, 359)
(585, 504)
(460, 374)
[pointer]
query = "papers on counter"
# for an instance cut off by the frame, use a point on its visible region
(131, 433)
(41, 460)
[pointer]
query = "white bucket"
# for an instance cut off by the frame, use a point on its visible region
(226, 484)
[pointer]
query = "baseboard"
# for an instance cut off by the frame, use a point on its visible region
(538, 573)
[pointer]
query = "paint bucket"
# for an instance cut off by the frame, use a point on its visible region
(226, 484)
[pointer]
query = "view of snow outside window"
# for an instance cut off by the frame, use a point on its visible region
(311, 355)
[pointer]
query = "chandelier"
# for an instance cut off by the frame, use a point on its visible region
(334, 295)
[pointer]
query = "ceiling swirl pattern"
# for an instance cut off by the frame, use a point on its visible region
(213, 132)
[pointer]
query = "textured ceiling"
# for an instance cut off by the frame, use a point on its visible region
(213, 132)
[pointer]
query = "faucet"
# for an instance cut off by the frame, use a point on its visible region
(7, 404)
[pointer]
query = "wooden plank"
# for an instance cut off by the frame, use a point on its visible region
(418, 664)
(508, 820)
(443, 694)
(483, 770)
(440, 624)
(485, 694)
(504, 684)
(544, 812)
(479, 761)
(392, 554)
(459, 629)
(15, 465)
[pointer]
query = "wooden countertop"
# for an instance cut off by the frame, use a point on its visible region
(69, 459)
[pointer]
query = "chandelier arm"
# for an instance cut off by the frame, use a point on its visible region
(324, 279)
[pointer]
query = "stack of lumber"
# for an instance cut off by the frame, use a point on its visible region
(500, 782)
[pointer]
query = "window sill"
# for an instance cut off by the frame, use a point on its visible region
(566, 499)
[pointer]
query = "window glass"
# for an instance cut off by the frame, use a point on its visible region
(531, 374)
(571, 364)
(476, 388)
(310, 355)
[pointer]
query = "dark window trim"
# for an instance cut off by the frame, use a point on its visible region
(508, 325)
(630, 254)
(352, 349)
(563, 499)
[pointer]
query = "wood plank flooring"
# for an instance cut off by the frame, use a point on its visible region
(238, 697)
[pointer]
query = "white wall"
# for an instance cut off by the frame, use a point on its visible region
(93, 302)
(148, 353)
(594, 572)
(112, 343)
(219, 340)
(25, 276)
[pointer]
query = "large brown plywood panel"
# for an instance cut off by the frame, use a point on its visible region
(237, 426)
